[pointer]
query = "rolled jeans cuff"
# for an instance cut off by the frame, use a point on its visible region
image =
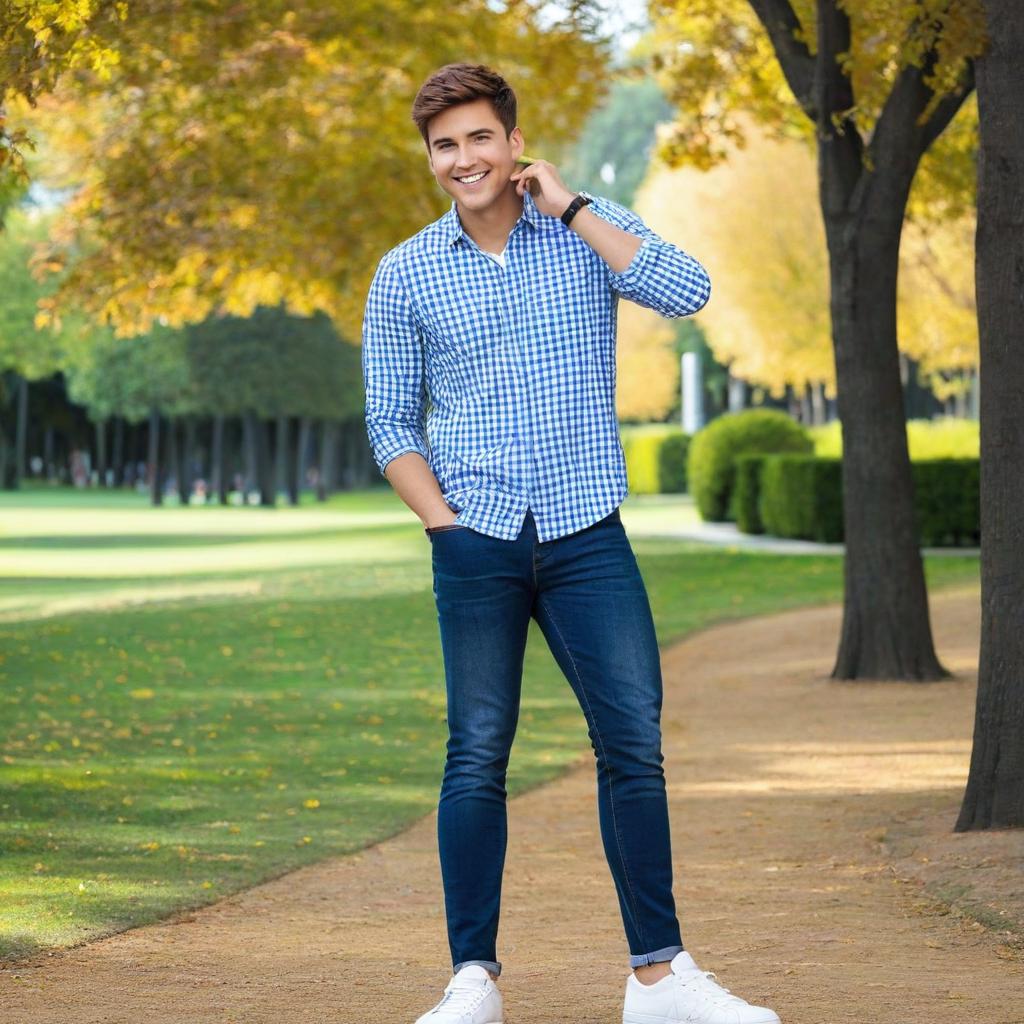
(657, 957)
(492, 965)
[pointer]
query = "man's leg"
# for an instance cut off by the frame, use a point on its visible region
(483, 591)
(592, 606)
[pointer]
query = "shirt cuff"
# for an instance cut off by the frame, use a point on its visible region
(623, 280)
(388, 455)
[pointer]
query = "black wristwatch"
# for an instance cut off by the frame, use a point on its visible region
(581, 200)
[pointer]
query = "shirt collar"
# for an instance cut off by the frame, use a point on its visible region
(452, 226)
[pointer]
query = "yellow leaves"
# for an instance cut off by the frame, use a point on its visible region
(311, 803)
(143, 693)
(227, 650)
(768, 316)
(149, 847)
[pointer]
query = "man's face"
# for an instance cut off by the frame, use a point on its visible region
(470, 155)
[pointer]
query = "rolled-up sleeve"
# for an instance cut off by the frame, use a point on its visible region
(661, 276)
(392, 357)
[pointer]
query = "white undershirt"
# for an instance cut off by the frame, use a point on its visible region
(499, 256)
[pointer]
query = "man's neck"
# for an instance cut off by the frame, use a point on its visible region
(490, 228)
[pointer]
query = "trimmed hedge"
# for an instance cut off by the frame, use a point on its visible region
(672, 463)
(713, 452)
(748, 493)
(647, 446)
(947, 499)
(800, 496)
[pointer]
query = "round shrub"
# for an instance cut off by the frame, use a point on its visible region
(711, 467)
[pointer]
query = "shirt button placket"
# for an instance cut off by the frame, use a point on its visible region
(521, 365)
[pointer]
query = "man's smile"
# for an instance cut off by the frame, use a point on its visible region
(471, 179)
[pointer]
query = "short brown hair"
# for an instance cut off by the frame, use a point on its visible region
(462, 83)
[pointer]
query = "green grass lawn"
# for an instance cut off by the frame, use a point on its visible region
(193, 700)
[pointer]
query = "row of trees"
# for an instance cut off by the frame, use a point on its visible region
(188, 387)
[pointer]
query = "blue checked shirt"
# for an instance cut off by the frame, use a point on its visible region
(503, 378)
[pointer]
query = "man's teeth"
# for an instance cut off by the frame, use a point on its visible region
(471, 178)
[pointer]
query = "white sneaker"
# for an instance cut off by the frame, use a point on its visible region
(689, 996)
(469, 998)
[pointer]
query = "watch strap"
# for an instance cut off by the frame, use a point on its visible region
(581, 200)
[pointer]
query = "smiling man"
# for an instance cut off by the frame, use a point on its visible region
(500, 316)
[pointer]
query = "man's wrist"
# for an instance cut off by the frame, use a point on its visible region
(579, 201)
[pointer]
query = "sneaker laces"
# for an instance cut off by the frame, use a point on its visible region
(461, 999)
(706, 982)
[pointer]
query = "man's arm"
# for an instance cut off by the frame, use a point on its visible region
(658, 274)
(392, 358)
(644, 267)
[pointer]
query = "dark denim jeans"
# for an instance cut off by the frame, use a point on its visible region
(587, 595)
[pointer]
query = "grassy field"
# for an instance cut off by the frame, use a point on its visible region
(192, 700)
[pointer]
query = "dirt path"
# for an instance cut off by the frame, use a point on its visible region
(782, 786)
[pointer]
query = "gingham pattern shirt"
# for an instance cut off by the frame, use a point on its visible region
(503, 378)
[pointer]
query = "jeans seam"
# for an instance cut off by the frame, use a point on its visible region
(611, 788)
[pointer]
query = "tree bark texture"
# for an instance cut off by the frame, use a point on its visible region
(994, 797)
(886, 633)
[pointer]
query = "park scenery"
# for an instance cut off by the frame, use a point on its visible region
(222, 696)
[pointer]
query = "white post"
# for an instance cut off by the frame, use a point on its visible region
(693, 393)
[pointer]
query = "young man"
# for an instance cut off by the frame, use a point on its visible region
(502, 314)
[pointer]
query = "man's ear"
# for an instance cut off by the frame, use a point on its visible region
(518, 145)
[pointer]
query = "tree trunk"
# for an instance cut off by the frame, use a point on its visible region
(292, 460)
(264, 463)
(49, 465)
(250, 469)
(994, 797)
(117, 456)
(21, 432)
(326, 458)
(218, 468)
(188, 459)
(303, 450)
(281, 444)
(886, 632)
(101, 452)
(173, 456)
(153, 462)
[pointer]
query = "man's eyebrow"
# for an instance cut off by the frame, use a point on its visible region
(476, 131)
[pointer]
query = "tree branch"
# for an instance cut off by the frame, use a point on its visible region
(899, 141)
(840, 144)
(796, 61)
(946, 109)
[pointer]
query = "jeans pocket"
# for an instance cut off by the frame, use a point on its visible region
(431, 530)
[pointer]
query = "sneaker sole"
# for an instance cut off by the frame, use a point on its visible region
(632, 1017)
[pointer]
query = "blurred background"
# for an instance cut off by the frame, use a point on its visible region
(218, 644)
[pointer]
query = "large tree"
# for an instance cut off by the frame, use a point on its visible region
(246, 154)
(994, 797)
(879, 82)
